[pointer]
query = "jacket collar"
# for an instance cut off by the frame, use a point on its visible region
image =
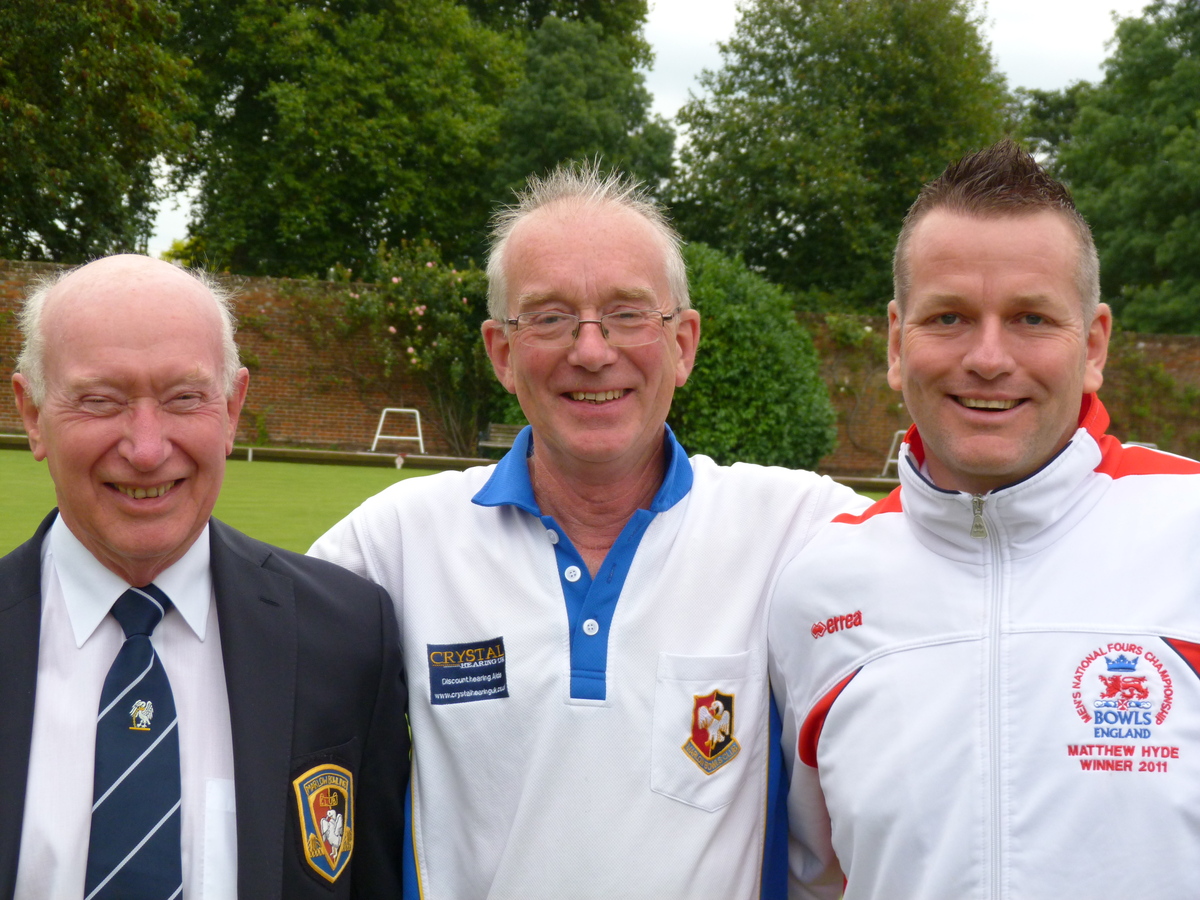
(1022, 516)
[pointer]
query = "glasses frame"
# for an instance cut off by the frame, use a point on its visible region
(664, 318)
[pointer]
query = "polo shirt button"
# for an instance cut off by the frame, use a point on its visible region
(572, 573)
(552, 535)
(590, 627)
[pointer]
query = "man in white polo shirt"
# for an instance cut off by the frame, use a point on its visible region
(585, 621)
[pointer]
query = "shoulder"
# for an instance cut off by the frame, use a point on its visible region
(21, 569)
(1121, 461)
(426, 492)
(309, 574)
(768, 493)
(749, 478)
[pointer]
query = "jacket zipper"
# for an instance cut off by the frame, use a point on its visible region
(978, 526)
(980, 530)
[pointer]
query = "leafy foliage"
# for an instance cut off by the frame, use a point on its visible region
(327, 129)
(1145, 402)
(580, 98)
(423, 317)
(89, 98)
(1043, 119)
(819, 129)
(756, 394)
(1133, 163)
(620, 19)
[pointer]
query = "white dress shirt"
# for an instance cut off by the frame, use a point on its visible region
(78, 642)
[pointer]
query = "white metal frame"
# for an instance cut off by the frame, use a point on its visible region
(380, 436)
(893, 454)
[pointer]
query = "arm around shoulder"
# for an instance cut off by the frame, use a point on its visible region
(383, 775)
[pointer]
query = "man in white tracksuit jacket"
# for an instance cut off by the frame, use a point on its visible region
(989, 679)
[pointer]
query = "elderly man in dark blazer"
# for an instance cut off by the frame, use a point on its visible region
(188, 711)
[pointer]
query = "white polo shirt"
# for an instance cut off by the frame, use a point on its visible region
(559, 745)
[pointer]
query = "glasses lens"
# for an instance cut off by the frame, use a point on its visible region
(633, 328)
(628, 328)
(547, 329)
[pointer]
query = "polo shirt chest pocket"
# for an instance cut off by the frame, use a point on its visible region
(709, 727)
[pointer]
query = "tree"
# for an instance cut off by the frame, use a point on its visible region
(622, 19)
(820, 127)
(89, 99)
(755, 394)
(580, 98)
(329, 128)
(1044, 119)
(1133, 164)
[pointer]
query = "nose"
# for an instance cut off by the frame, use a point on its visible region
(591, 349)
(988, 355)
(145, 445)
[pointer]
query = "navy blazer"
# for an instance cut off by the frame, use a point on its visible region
(313, 671)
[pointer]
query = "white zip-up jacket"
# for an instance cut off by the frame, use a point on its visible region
(997, 696)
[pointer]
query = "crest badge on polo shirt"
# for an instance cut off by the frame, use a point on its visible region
(712, 743)
(325, 799)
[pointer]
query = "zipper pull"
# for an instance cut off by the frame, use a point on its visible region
(978, 528)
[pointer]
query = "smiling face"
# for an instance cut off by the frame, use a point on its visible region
(592, 406)
(992, 352)
(134, 425)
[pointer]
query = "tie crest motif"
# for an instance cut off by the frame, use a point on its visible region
(134, 851)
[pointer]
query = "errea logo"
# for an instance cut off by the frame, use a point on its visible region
(837, 623)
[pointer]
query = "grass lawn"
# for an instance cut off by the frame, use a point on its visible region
(282, 503)
(287, 504)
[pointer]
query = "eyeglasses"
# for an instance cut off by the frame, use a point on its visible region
(626, 328)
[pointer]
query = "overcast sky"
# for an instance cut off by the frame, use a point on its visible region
(1037, 43)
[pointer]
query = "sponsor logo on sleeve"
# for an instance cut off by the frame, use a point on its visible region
(712, 744)
(837, 623)
(463, 673)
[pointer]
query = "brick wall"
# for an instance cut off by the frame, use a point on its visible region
(297, 397)
(309, 390)
(854, 366)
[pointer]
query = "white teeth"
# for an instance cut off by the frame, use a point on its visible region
(973, 403)
(138, 493)
(596, 397)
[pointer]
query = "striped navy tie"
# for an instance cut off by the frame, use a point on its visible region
(134, 853)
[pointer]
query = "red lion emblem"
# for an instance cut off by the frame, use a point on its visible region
(1124, 688)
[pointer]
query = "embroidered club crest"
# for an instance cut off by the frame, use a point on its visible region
(712, 743)
(140, 715)
(325, 796)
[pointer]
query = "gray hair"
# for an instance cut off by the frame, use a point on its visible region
(31, 359)
(582, 184)
(1001, 180)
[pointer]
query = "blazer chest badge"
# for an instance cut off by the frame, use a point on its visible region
(325, 799)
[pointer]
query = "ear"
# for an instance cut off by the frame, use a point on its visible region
(499, 351)
(1097, 349)
(687, 339)
(233, 406)
(31, 416)
(895, 321)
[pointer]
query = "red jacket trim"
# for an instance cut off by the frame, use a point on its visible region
(810, 731)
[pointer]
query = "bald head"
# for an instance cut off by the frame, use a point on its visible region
(121, 286)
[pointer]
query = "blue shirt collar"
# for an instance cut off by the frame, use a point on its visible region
(510, 484)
